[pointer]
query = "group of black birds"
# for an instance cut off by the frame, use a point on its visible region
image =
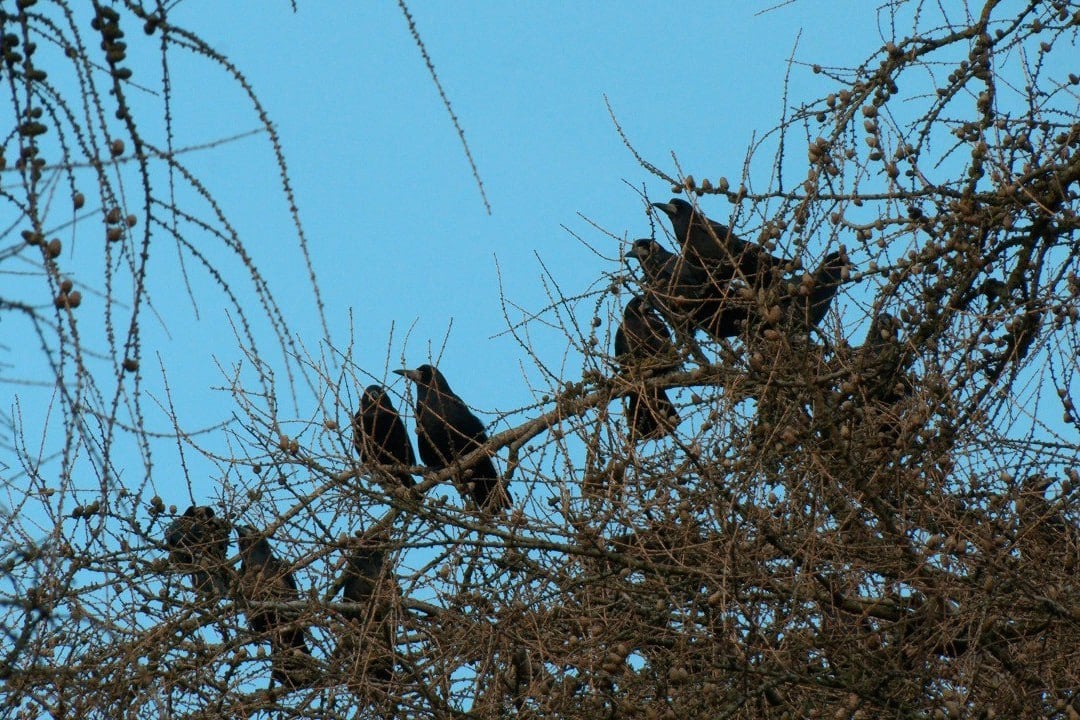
(713, 285)
(448, 435)
(719, 284)
(198, 543)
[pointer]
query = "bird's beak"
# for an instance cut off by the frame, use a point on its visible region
(411, 374)
(668, 208)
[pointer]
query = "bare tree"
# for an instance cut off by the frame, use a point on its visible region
(99, 202)
(876, 517)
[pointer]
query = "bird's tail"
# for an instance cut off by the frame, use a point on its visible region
(491, 494)
(827, 280)
(650, 415)
(366, 653)
(292, 664)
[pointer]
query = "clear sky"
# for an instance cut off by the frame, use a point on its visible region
(399, 236)
(397, 229)
(398, 232)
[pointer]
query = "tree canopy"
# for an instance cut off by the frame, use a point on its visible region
(876, 516)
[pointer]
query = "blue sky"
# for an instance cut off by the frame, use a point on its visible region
(398, 231)
(399, 237)
(406, 255)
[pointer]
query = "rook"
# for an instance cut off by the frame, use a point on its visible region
(367, 645)
(379, 434)
(266, 579)
(687, 293)
(446, 431)
(714, 247)
(643, 341)
(810, 309)
(199, 543)
(880, 362)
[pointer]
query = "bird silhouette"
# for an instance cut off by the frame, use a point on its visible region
(686, 293)
(265, 582)
(199, 543)
(809, 305)
(379, 435)
(880, 362)
(366, 645)
(881, 379)
(715, 248)
(643, 342)
(446, 431)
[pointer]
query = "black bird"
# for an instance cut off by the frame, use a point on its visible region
(366, 648)
(199, 543)
(880, 362)
(446, 430)
(379, 435)
(363, 571)
(880, 366)
(643, 341)
(809, 309)
(265, 578)
(688, 294)
(718, 250)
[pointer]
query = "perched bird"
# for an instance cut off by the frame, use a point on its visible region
(643, 341)
(446, 431)
(265, 578)
(379, 435)
(809, 307)
(363, 571)
(880, 362)
(880, 373)
(716, 249)
(688, 294)
(366, 646)
(199, 543)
